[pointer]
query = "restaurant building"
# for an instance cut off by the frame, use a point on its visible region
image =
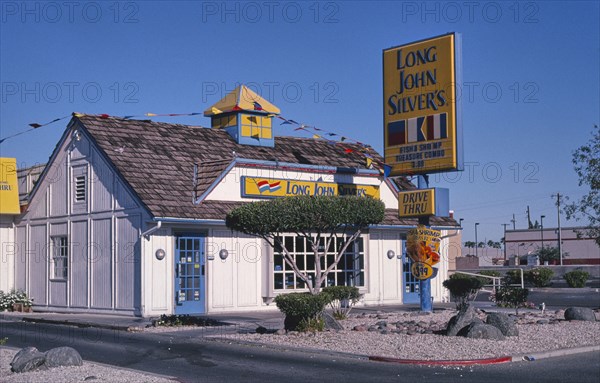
(128, 217)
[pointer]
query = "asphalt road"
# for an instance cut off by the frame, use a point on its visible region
(194, 359)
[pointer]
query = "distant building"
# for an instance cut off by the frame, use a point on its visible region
(581, 250)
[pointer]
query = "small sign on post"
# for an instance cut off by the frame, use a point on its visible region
(423, 247)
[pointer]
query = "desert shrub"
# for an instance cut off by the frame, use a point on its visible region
(342, 299)
(576, 278)
(302, 310)
(462, 288)
(510, 296)
(540, 276)
(512, 277)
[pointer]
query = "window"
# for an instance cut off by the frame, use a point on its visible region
(60, 258)
(350, 271)
(80, 188)
(256, 126)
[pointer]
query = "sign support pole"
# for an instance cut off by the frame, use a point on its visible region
(424, 284)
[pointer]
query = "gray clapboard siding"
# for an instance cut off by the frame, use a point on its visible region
(21, 258)
(38, 263)
(101, 264)
(127, 262)
(79, 264)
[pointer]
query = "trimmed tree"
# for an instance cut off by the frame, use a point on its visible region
(319, 219)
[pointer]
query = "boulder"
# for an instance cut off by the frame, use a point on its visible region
(291, 322)
(460, 320)
(478, 330)
(580, 313)
(504, 323)
(261, 330)
(331, 323)
(27, 359)
(63, 356)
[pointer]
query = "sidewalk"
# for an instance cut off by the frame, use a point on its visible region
(232, 322)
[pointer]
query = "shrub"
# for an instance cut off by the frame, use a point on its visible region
(184, 320)
(540, 276)
(462, 288)
(576, 278)
(512, 277)
(302, 310)
(509, 296)
(342, 299)
(14, 296)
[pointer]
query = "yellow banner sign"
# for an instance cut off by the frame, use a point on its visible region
(416, 203)
(256, 187)
(423, 245)
(9, 190)
(420, 106)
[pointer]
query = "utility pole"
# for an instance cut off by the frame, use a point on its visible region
(476, 243)
(505, 224)
(514, 222)
(559, 230)
(529, 219)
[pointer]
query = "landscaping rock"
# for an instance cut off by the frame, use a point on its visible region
(290, 323)
(281, 331)
(62, 357)
(261, 330)
(360, 327)
(477, 330)
(580, 313)
(27, 359)
(504, 323)
(331, 323)
(460, 320)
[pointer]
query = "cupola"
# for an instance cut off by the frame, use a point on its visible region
(246, 116)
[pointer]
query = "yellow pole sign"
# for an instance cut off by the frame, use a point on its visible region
(9, 190)
(423, 247)
(421, 117)
(416, 203)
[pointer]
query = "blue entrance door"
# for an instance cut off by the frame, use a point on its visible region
(189, 275)
(410, 283)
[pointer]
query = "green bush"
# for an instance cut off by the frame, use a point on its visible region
(14, 296)
(462, 288)
(302, 310)
(576, 278)
(509, 296)
(342, 299)
(540, 276)
(512, 277)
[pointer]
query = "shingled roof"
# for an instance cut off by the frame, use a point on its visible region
(157, 161)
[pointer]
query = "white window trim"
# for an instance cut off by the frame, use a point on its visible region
(65, 266)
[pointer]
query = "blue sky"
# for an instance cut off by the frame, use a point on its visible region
(530, 94)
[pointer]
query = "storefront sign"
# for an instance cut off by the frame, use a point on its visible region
(9, 190)
(256, 187)
(424, 202)
(423, 246)
(421, 115)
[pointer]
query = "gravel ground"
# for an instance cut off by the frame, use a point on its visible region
(550, 334)
(89, 372)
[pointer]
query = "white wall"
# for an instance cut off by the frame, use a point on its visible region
(7, 253)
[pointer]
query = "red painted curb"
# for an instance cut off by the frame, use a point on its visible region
(503, 359)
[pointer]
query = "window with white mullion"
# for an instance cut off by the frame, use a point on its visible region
(349, 270)
(60, 258)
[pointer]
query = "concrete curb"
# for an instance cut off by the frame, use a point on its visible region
(464, 362)
(504, 359)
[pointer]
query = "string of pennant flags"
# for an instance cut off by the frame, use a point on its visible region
(332, 138)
